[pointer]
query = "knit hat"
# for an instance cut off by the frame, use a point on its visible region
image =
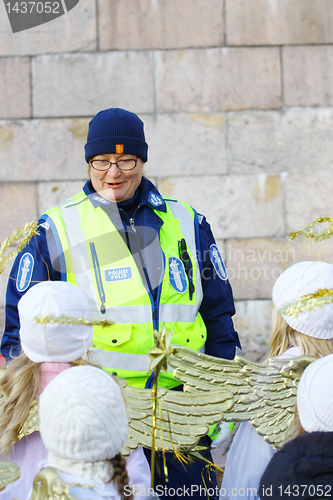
(83, 415)
(54, 342)
(305, 278)
(116, 130)
(315, 396)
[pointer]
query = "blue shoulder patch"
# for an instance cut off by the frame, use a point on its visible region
(217, 262)
(155, 199)
(177, 275)
(24, 273)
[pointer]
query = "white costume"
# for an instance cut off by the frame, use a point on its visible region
(247, 459)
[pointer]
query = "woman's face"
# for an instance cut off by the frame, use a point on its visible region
(114, 184)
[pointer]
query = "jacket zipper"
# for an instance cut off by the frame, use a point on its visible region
(98, 277)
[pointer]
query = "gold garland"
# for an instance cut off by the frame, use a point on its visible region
(71, 320)
(308, 303)
(320, 235)
(24, 233)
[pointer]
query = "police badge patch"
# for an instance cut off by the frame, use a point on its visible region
(155, 199)
(217, 262)
(177, 276)
(24, 273)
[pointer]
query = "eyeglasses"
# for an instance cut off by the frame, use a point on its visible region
(121, 164)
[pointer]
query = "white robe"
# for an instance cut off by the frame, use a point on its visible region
(247, 459)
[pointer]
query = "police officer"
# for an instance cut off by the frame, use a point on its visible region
(140, 258)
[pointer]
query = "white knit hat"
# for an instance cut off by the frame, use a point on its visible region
(83, 415)
(54, 341)
(301, 279)
(315, 396)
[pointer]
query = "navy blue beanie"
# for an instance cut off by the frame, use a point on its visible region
(116, 130)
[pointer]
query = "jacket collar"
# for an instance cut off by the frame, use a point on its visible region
(146, 194)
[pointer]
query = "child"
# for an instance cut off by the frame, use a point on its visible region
(309, 333)
(306, 463)
(83, 424)
(48, 349)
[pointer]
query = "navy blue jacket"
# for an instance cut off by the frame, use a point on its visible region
(302, 469)
(217, 306)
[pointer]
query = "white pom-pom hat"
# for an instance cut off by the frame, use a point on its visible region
(315, 396)
(55, 342)
(82, 415)
(305, 278)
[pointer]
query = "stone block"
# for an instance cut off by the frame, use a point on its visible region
(43, 150)
(18, 205)
(308, 197)
(186, 144)
(308, 75)
(295, 140)
(272, 22)
(253, 323)
(236, 206)
(86, 83)
(253, 265)
(218, 79)
(51, 194)
(157, 24)
(72, 32)
(15, 87)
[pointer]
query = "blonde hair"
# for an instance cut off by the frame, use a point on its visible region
(21, 383)
(284, 336)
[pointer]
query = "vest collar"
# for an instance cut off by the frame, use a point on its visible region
(146, 194)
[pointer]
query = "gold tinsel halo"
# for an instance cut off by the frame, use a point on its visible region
(24, 235)
(309, 233)
(44, 319)
(308, 303)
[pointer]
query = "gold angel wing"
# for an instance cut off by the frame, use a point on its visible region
(264, 393)
(9, 472)
(181, 418)
(48, 485)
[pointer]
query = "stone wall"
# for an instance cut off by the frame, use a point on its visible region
(236, 96)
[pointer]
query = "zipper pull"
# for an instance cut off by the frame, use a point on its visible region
(131, 221)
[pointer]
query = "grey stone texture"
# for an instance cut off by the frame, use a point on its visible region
(36, 150)
(241, 206)
(218, 79)
(253, 321)
(83, 84)
(294, 140)
(17, 206)
(160, 24)
(15, 87)
(276, 22)
(72, 32)
(307, 197)
(308, 75)
(253, 265)
(186, 144)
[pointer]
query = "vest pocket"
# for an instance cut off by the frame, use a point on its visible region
(112, 336)
(189, 334)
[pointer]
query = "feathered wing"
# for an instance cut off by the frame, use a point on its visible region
(264, 393)
(48, 484)
(9, 472)
(181, 418)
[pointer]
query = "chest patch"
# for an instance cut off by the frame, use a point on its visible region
(217, 262)
(177, 275)
(155, 199)
(118, 274)
(24, 273)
